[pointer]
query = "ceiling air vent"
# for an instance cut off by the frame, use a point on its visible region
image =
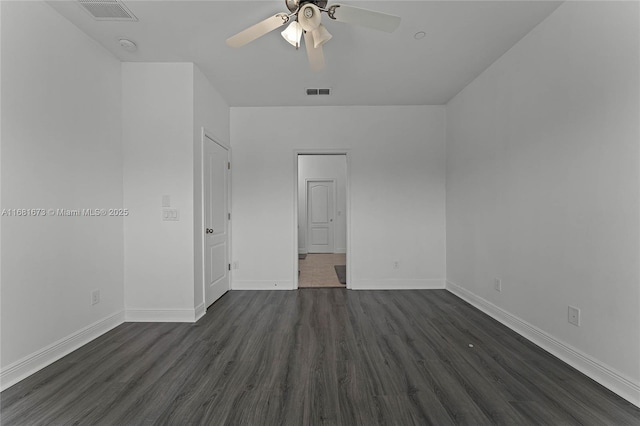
(107, 10)
(314, 92)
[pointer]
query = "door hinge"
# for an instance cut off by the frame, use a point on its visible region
(228, 165)
(229, 216)
(229, 266)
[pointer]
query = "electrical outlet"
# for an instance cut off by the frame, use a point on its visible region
(497, 284)
(574, 315)
(396, 264)
(95, 297)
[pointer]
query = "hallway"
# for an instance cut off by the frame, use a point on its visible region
(317, 270)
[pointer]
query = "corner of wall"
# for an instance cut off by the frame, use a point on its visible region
(210, 116)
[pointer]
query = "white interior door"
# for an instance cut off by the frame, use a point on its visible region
(320, 215)
(216, 220)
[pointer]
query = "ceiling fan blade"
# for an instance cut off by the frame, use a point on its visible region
(364, 17)
(315, 54)
(258, 30)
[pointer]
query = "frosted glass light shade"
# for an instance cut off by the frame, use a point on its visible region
(320, 36)
(293, 33)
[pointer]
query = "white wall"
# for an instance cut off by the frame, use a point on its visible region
(211, 112)
(542, 189)
(158, 139)
(165, 106)
(323, 167)
(396, 182)
(61, 148)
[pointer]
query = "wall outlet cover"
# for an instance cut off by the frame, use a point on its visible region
(574, 316)
(95, 297)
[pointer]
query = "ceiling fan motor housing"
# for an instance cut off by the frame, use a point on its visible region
(309, 17)
(294, 5)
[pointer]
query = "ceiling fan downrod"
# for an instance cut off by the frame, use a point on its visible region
(294, 5)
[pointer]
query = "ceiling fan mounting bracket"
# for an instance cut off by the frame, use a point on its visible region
(294, 5)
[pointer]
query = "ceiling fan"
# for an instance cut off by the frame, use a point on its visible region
(305, 21)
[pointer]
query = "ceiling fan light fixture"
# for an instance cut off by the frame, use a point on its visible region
(320, 36)
(306, 23)
(293, 33)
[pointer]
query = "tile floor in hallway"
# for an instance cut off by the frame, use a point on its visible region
(316, 270)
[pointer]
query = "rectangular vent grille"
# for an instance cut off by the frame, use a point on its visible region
(314, 92)
(107, 10)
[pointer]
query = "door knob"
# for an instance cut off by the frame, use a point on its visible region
(209, 231)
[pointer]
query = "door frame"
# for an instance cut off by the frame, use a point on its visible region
(207, 134)
(333, 213)
(294, 254)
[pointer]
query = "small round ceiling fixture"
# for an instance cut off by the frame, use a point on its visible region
(127, 45)
(419, 35)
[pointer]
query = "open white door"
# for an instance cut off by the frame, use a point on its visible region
(216, 219)
(320, 215)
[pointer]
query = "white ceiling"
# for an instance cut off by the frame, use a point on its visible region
(364, 67)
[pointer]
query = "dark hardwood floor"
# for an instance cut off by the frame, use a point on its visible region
(312, 357)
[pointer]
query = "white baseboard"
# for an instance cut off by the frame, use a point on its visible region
(199, 311)
(160, 315)
(302, 251)
(262, 285)
(340, 251)
(400, 284)
(38, 360)
(596, 370)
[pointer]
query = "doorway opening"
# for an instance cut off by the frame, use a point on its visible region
(322, 219)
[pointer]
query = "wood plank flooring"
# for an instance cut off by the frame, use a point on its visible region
(316, 357)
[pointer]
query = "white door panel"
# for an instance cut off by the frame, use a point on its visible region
(320, 214)
(320, 236)
(320, 203)
(216, 196)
